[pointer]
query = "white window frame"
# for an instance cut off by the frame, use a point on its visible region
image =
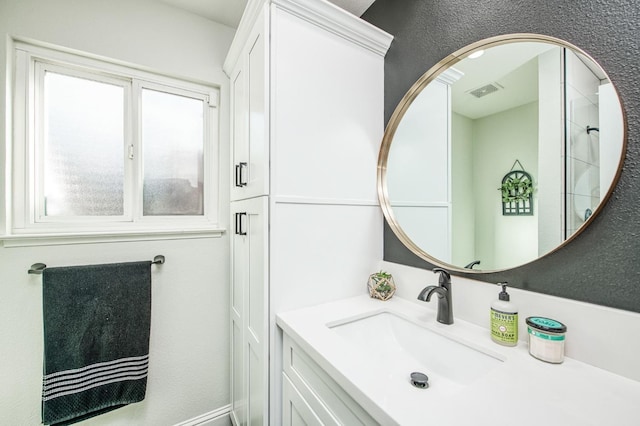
(26, 215)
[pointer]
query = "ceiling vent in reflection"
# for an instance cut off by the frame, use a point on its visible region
(485, 90)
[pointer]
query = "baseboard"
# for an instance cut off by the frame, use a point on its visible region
(219, 417)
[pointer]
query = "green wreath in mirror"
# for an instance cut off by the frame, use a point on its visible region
(516, 189)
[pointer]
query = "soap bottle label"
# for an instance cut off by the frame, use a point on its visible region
(504, 327)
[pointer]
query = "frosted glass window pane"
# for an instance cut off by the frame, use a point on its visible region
(172, 137)
(83, 162)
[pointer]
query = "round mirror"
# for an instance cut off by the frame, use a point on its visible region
(501, 153)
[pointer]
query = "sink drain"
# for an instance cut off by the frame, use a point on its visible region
(419, 380)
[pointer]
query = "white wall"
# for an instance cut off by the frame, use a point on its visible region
(189, 345)
(462, 201)
(504, 241)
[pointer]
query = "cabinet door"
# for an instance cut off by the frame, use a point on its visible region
(249, 119)
(239, 131)
(249, 333)
(239, 274)
(295, 410)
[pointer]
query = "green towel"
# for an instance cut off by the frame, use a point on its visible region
(97, 321)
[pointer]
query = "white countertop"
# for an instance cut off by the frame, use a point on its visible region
(520, 391)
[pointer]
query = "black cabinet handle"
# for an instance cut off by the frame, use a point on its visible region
(240, 181)
(239, 223)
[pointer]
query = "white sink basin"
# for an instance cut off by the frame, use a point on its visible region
(404, 347)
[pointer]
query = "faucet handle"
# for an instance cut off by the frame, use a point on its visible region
(445, 276)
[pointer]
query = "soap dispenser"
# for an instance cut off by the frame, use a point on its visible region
(504, 319)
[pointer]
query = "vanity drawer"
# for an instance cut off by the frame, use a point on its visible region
(327, 399)
(295, 410)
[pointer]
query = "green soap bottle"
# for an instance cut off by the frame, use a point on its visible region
(504, 319)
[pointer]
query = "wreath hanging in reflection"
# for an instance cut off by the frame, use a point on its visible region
(517, 192)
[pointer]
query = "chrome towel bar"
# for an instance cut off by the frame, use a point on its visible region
(37, 268)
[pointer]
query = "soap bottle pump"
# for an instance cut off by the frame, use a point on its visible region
(504, 319)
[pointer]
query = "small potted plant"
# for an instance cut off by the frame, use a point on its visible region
(381, 285)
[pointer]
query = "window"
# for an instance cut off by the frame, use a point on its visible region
(173, 163)
(99, 147)
(80, 151)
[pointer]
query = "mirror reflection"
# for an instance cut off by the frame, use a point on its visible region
(502, 157)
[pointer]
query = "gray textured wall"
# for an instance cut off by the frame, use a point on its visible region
(602, 265)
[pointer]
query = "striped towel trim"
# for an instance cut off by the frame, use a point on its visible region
(68, 382)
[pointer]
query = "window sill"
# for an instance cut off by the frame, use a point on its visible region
(50, 239)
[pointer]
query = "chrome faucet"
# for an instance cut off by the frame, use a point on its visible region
(445, 307)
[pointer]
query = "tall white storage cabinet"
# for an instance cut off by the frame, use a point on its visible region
(307, 120)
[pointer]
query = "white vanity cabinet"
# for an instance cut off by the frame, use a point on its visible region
(306, 86)
(335, 373)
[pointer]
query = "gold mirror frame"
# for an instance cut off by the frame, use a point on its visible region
(417, 88)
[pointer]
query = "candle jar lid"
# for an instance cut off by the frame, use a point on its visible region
(546, 324)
